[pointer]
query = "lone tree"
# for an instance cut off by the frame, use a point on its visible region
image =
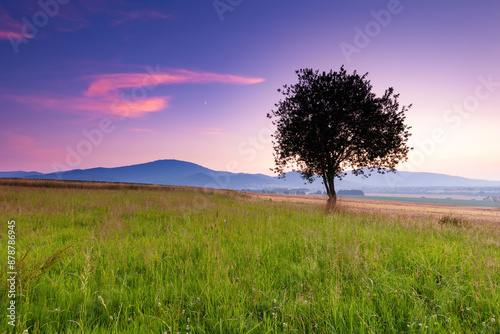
(329, 123)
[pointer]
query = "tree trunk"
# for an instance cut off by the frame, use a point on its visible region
(330, 190)
(330, 204)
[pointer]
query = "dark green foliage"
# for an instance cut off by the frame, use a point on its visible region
(331, 122)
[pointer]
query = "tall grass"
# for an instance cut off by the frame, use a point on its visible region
(143, 261)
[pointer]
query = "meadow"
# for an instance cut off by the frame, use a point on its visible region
(138, 259)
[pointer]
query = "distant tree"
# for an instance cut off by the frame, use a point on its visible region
(354, 192)
(331, 122)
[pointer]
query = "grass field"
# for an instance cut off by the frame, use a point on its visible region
(119, 259)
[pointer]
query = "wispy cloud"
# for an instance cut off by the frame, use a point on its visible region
(103, 84)
(20, 147)
(71, 19)
(10, 28)
(18, 141)
(143, 14)
(96, 105)
(113, 94)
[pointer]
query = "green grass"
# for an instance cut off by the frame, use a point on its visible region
(143, 261)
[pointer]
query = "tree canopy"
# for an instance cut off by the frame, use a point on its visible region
(332, 122)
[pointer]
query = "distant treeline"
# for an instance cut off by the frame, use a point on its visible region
(351, 193)
(303, 191)
(286, 191)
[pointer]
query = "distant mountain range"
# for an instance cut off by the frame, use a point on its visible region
(175, 172)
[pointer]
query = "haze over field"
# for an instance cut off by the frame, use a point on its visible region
(94, 83)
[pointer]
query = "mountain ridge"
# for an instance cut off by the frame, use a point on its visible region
(183, 173)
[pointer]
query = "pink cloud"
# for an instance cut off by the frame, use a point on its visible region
(103, 84)
(10, 28)
(110, 105)
(140, 15)
(134, 109)
(19, 148)
(17, 141)
(71, 19)
(113, 94)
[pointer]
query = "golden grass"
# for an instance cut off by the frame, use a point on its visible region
(417, 211)
(423, 213)
(40, 183)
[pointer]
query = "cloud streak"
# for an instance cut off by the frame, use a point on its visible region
(142, 14)
(21, 148)
(103, 84)
(10, 28)
(97, 106)
(127, 94)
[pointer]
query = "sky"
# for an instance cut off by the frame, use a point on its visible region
(97, 83)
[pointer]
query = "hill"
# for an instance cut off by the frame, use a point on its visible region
(182, 173)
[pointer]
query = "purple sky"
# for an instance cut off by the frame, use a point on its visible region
(88, 83)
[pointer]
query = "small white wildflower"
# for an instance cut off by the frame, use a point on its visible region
(275, 301)
(188, 320)
(492, 320)
(284, 324)
(420, 324)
